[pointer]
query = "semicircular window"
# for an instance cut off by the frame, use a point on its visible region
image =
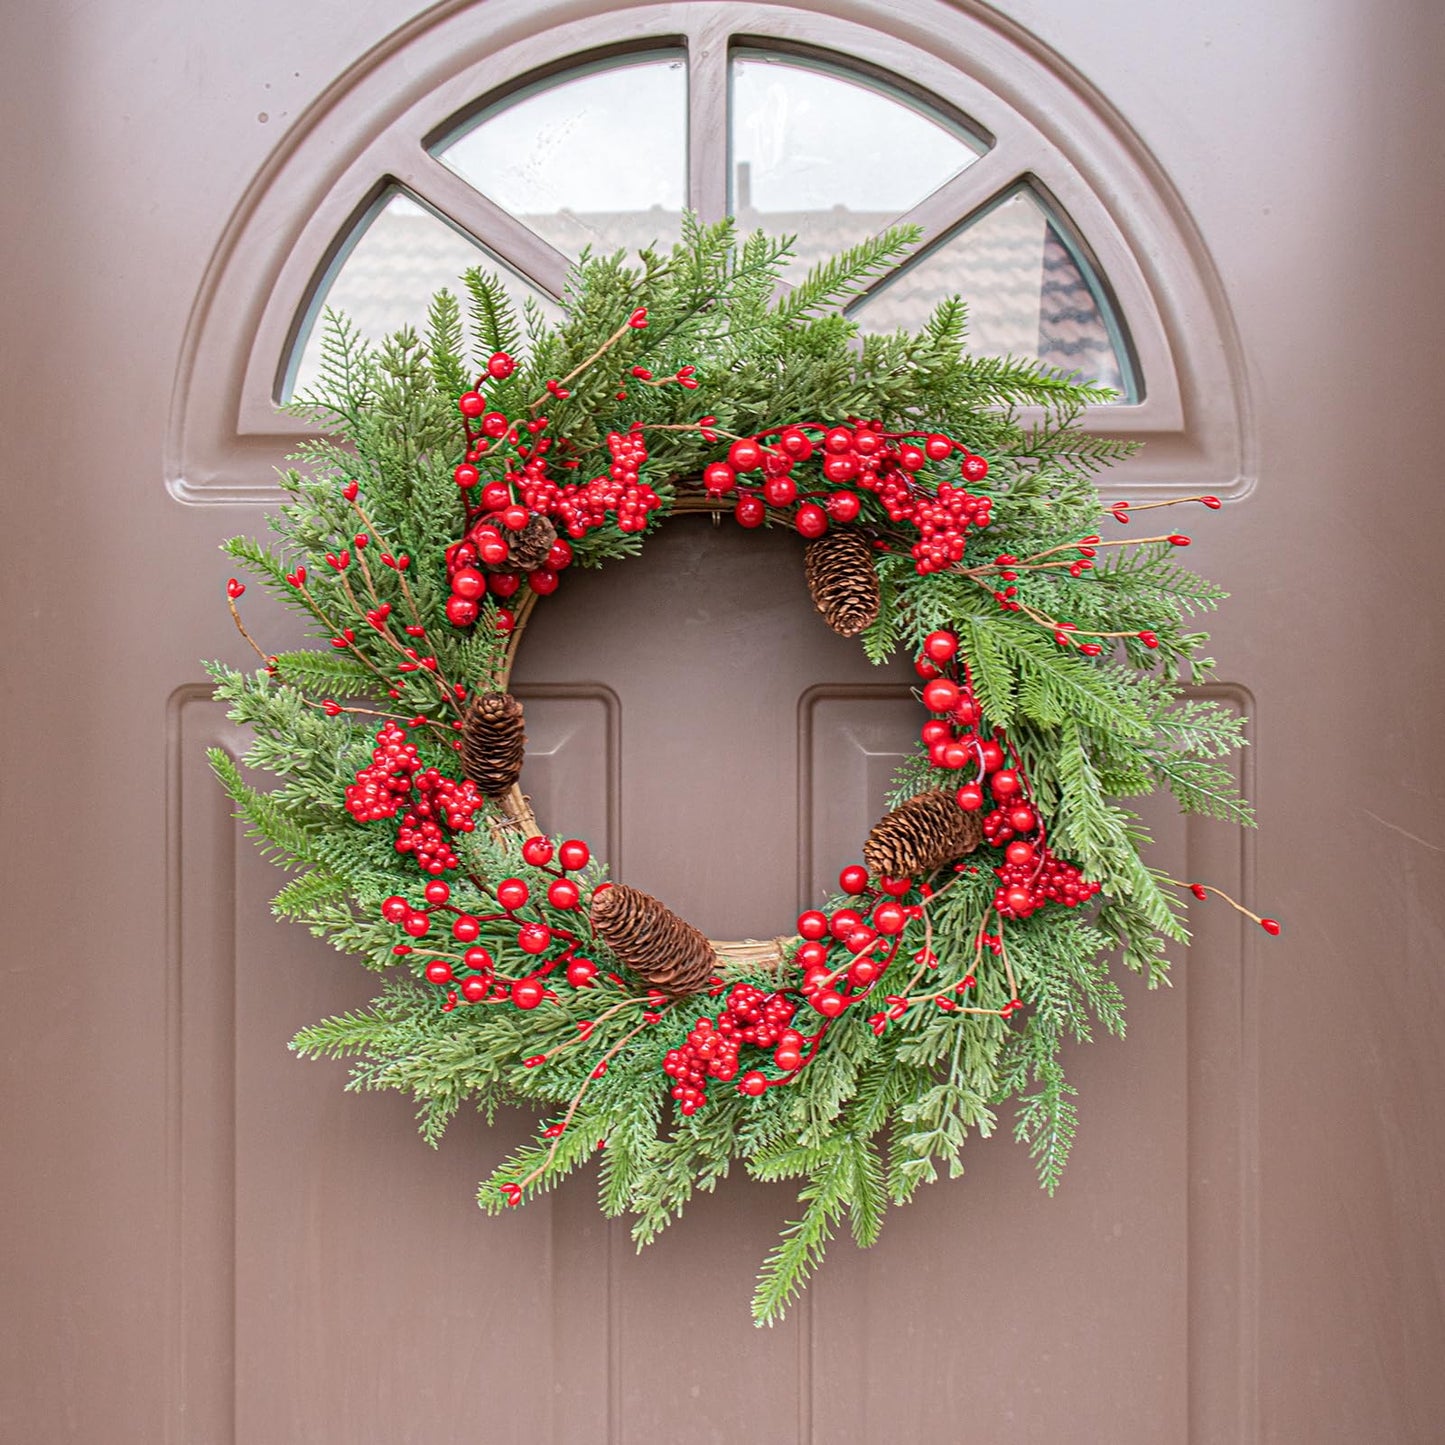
(596, 158)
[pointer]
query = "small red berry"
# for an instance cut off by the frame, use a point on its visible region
(749, 512)
(465, 928)
(512, 893)
(563, 893)
(843, 506)
(500, 365)
(471, 403)
(461, 611)
(466, 475)
(812, 924)
(719, 478)
(1270, 926)
(752, 1083)
(940, 646)
(811, 521)
(745, 455)
(969, 797)
(526, 993)
(395, 909)
(581, 972)
(537, 851)
(574, 854)
(534, 937)
(854, 878)
(438, 971)
(941, 695)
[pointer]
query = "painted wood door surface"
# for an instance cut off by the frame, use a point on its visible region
(205, 1242)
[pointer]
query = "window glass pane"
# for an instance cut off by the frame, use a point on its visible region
(1029, 294)
(598, 158)
(385, 276)
(829, 156)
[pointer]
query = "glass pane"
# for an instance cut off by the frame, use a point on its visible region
(831, 157)
(1029, 294)
(384, 278)
(598, 158)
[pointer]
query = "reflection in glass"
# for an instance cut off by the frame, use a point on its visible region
(401, 255)
(1029, 294)
(598, 158)
(831, 157)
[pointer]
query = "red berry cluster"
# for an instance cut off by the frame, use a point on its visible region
(1032, 876)
(433, 801)
(844, 953)
(527, 482)
(711, 1049)
(863, 456)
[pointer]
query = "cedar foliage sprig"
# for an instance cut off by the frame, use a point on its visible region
(891, 1099)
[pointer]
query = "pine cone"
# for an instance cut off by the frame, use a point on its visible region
(841, 579)
(529, 545)
(652, 940)
(494, 740)
(920, 835)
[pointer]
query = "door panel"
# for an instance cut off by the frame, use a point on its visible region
(207, 1241)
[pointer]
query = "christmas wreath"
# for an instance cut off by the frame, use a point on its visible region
(439, 507)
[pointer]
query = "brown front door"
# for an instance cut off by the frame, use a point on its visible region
(205, 1241)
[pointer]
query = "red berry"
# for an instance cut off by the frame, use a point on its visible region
(559, 555)
(500, 365)
(811, 521)
(512, 893)
(574, 854)
(416, 924)
(537, 851)
(395, 909)
(437, 891)
(1270, 926)
(812, 924)
(474, 990)
(469, 584)
(925, 669)
(471, 403)
(479, 959)
(941, 695)
(505, 620)
(830, 1003)
(1179, 541)
(935, 730)
(466, 475)
(752, 1083)
(494, 424)
(719, 478)
(465, 928)
(854, 878)
(838, 440)
(841, 468)
(895, 887)
(496, 496)
(969, 797)
(1005, 783)
(974, 469)
(992, 757)
(745, 455)
(788, 1059)
(1019, 853)
(438, 971)
(780, 492)
(889, 918)
(843, 506)
(795, 444)
(938, 447)
(543, 581)
(940, 646)
(526, 993)
(563, 893)
(843, 922)
(749, 512)
(461, 611)
(581, 972)
(1023, 820)
(534, 937)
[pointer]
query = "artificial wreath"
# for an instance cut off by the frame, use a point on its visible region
(440, 506)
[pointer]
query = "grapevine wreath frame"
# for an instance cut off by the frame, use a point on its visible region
(438, 508)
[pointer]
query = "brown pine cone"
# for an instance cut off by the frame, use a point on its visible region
(841, 579)
(494, 740)
(920, 835)
(672, 955)
(529, 545)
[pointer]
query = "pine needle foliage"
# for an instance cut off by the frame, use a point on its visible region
(890, 1102)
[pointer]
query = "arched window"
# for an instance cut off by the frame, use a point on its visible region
(596, 157)
(517, 146)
